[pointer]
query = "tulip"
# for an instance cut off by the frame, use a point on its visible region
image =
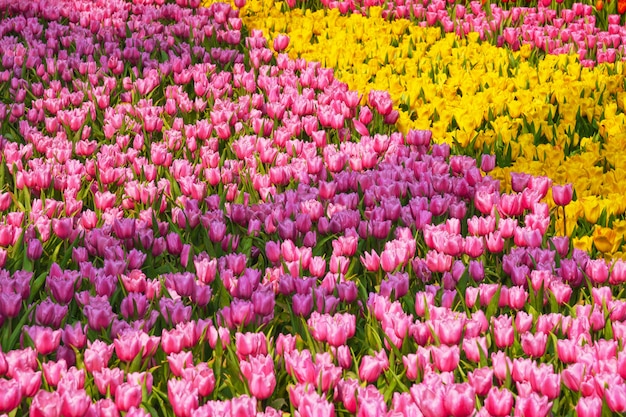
(54, 371)
(499, 402)
(281, 42)
(300, 365)
(75, 403)
(481, 380)
(34, 249)
(372, 366)
(107, 380)
(501, 365)
(97, 355)
(532, 405)
(589, 407)
(99, 313)
(562, 194)
(182, 396)
(534, 344)
(127, 345)
(45, 339)
(179, 361)
(312, 405)
(260, 375)
(446, 358)
(250, 344)
(487, 162)
(45, 404)
(472, 347)
(429, 400)
(12, 395)
(201, 377)
(615, 396)
(128, 395)
(460, 400)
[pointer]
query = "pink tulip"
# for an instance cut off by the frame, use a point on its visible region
(127, 345)
(597, 270)
(502, 365)
(34, 249)
(45, 404)
(372, 366)
(179, 361)
(589, 407)
(300, 365)
(75, 403)
(201, 377)
(615, 396)
(460, 400)
(481, 380)
(127, 395)
(97, 355)
(281, 42)
(250, 344)
(445, 358)
(182, 396)
(12, 395)
(99, 313)
(534, 405)
(534, 344)
(429, 400)
(46, 340)
(312, 405)
(472, 347)
(503, 331)
(499, 402)
(108, 379)
(562, 194)
(259, 372)
(487, 162)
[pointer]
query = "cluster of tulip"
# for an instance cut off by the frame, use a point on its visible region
(542, 115)
(192, 225)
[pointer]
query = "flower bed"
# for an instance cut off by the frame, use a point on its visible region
(547, 115)
(192, 225)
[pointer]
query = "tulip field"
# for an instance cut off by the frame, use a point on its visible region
(312, 208)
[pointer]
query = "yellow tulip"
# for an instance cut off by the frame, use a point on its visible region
(583, 243)
(592, 208)
(605, 239)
